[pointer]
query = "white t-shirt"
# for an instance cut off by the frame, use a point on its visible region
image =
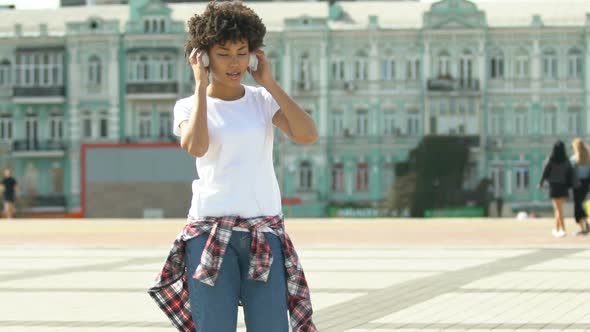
(236, 174)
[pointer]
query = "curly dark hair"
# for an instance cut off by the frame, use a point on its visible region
(222, 22)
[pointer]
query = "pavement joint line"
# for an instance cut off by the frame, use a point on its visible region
(483, 326)
(30, 274)
(432, 286)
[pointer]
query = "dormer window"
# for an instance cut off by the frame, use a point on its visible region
(154, 25)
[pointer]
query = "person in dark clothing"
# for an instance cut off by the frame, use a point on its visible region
(10, 188)
(558, 171)
(581, 163)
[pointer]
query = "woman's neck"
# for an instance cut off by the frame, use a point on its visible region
(224, 92)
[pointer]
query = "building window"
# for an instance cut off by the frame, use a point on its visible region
(497, 65)
(466, 69)
(521, 122)
(574, 120)
(145, 124)
(413, 69)
(361, 66)
(550, 120)
(6, 127)
(362, 122)
(388, 69)
(444, 64)
(338, 70)
(362, 177)
(522, 177)
(103, 122)
(388, 175)
(87, 125)
(275, 66)
(574, 63)
(389, 122)
(143, 67)
(166, 68)
(413, 122)
(337, 123)
(57, 179)
(165, 124)
(39, 69)
(498, 180)
(338, 177)
(521, 65)
(497, 121)
(550, 69)
(304, 69)
(305, 176)
(56, 130)
(94, 70)
(5, 73)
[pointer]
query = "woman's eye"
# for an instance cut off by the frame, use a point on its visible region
(222, 54)
(242, 54)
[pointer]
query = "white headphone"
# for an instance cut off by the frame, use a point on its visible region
(252, 61)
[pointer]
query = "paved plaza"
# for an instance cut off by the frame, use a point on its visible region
(365, 275)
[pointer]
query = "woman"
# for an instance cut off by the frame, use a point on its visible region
(581, 163)
(235, 215)
(559, 173)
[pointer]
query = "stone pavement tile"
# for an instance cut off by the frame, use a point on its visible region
(409, 253)
(563, 264)
(95, 280)
(391, 264)
(360, 280)
(41, 252)
(488, 308)
(154, 268)
(534, 280)
(24, 328)
(79, 306)
(581, 254)
(20, 264)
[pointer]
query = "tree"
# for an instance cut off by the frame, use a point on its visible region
(434, 178)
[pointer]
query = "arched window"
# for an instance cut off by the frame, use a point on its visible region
(574, 63)
(497, 64)
(94, 70)
(521, 64)
(305, 176)
(361, 64)
(444, 64)
(550, 64)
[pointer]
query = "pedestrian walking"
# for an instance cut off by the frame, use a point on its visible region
(10, 188)
(558, 172)
(581, 163)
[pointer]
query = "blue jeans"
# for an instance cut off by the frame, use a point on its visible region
(215, 309)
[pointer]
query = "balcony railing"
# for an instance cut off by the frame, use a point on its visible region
(452, 84)
(37, 145)
(151, 87)
(39, 91)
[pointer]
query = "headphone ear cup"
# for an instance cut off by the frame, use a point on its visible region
(253, 62)
(205, 60)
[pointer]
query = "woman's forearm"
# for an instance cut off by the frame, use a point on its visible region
(301, 124)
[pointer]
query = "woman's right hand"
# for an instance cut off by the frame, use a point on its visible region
(200, 72)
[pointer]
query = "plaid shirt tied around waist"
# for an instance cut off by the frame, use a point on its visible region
(170, 289)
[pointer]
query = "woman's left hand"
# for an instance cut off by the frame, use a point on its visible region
(263, 74)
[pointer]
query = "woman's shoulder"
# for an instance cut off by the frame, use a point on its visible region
(186, 102)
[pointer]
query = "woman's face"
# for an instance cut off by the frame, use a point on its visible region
(229, 62)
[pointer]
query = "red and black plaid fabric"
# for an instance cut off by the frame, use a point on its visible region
(170, 289)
